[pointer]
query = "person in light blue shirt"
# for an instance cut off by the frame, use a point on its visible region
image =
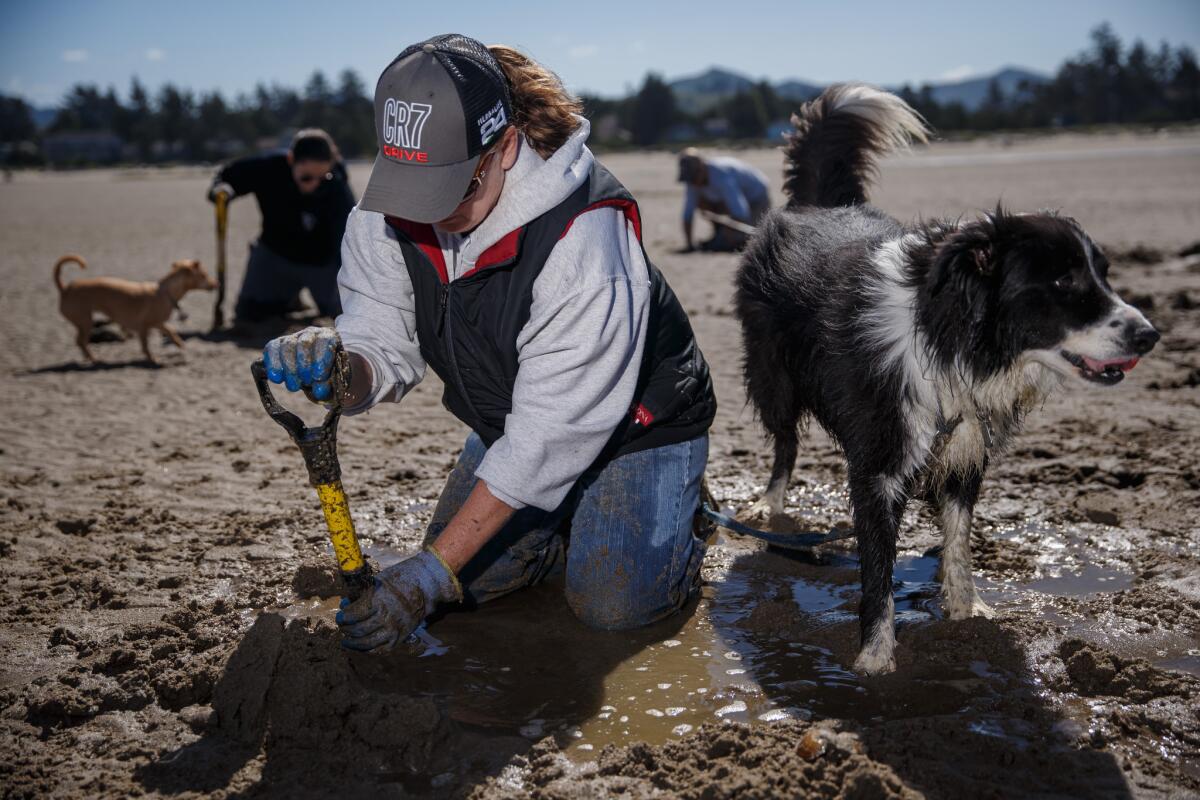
(723, 187)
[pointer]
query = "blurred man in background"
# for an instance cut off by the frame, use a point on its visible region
(720, 186)
(304, 196)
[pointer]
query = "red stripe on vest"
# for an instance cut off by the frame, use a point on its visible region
(424, 237)
(628, 208)
(498, 253)
(506, 248)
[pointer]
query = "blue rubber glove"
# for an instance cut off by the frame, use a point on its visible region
(303, 360)
(403, 596)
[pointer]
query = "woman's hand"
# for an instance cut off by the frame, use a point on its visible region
(403, 596)
(304, 360)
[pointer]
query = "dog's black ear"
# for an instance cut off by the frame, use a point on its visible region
(982, 258)
(965, 256)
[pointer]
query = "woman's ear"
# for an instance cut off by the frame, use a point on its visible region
(291, 159)
(510, 142)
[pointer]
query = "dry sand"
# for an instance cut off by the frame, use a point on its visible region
(158, 536)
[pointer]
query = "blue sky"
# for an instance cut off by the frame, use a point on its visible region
(604, 47)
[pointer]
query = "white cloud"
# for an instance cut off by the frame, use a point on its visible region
(582, 50)
(74, 56)
(155, 54)
(959, 73)
(637, 46)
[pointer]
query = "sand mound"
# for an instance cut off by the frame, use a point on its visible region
(323, 712)
(790, 759)
(1094, 672)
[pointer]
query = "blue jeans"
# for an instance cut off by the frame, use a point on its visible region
(273, 283)
(624, 536)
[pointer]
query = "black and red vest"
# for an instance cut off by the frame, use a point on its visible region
(467, 328)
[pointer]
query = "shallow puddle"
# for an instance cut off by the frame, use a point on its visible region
(1076, 563)
(524, 666)
(711, 669)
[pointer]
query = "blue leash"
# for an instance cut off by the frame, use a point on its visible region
(791, 541)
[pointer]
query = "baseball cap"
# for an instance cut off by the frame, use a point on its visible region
(438, 105)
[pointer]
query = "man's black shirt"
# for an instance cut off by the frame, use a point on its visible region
(306, 228)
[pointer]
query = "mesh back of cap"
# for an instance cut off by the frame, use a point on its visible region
(449, 45)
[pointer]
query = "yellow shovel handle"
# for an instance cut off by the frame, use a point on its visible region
(341, 527)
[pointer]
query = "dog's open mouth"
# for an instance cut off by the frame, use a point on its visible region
(1108, 372)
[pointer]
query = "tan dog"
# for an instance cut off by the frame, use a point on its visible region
(138, 307)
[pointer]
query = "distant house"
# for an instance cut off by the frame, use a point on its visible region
(607, 128)
(163, 150)
(224, 147)
(716, 126)
(25, 152)
(682, 132)
(82, 147)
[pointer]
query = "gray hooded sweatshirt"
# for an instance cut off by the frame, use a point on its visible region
(579, 353)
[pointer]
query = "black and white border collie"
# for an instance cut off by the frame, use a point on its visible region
(919, 348)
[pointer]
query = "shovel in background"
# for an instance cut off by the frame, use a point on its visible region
(727, 221)
(319, 448)
(221, 202)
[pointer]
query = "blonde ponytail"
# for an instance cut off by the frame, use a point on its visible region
(543, 110)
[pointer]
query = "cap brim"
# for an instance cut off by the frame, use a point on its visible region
(421, 193)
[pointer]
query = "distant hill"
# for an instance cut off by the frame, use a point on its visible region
(697, 93)
(798, 90)
(42, 117)
(973, 91)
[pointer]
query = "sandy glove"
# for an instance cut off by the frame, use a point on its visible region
(303, 360)
(403, 596)
(218, 188)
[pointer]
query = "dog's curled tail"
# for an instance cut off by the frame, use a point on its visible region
(830, 157)
(67, 259)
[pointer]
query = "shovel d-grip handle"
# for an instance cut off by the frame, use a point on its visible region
(319, 448)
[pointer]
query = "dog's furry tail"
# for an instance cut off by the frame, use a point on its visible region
(67, 259)
(830, 157)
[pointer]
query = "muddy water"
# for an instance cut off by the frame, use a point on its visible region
(1075, 564)
(523, 666)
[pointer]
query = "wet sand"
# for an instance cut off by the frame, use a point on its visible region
(167, 618)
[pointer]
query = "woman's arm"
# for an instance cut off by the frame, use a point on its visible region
(479, 519)
(689, 212)
(378, 321)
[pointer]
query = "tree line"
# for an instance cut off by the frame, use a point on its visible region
(1108, 83)
(179, 125)
(1105, 84)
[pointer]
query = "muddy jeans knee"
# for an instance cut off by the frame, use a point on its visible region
(633, 558)
(527, 550)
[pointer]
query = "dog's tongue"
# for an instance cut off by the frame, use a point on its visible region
(1123, 364)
